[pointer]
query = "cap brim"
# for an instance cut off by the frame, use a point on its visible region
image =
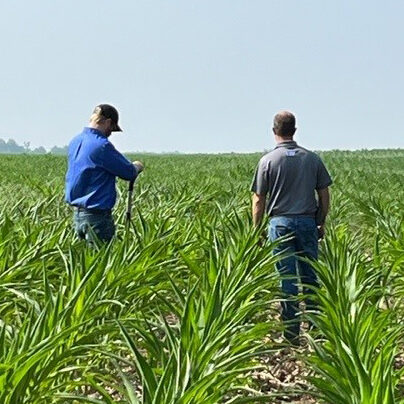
(117, 128)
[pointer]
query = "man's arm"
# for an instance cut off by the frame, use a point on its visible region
(258, 208)
(117, 164)
(323, 208)
(260, 188)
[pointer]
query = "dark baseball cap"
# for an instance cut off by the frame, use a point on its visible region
(109, 112)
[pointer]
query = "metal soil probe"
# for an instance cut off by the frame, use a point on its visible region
(129, 207)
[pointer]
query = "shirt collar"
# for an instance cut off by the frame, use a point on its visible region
(93, 131)
(286, 144)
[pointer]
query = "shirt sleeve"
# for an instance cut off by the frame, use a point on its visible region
(323, 177)
(117, 164)
(260, 183)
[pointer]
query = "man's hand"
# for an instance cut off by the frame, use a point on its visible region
(263, 238)
(139, 166)
(321, 231)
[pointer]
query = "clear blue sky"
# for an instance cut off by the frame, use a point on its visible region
(204, 76)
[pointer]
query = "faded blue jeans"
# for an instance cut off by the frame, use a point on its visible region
(94, 226)
(304, 243)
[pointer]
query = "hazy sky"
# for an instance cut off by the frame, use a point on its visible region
(204, 76)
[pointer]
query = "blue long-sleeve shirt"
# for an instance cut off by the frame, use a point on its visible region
(93, 165)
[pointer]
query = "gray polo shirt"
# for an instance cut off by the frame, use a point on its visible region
(290, 174)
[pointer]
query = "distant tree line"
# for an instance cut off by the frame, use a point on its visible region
(12, 147)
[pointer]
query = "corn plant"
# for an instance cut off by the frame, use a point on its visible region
(180, 307)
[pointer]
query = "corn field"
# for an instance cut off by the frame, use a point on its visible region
(183, 307)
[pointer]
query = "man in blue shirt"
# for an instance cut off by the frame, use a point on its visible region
(93, 165)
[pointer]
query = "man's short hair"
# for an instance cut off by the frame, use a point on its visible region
(284, 124)
(97, 117)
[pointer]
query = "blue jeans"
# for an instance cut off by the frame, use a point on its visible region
(304, 243)
(94, 227)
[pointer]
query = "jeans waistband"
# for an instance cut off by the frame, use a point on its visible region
(93, 210)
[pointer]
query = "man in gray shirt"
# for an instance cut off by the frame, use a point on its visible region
(288, 178)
